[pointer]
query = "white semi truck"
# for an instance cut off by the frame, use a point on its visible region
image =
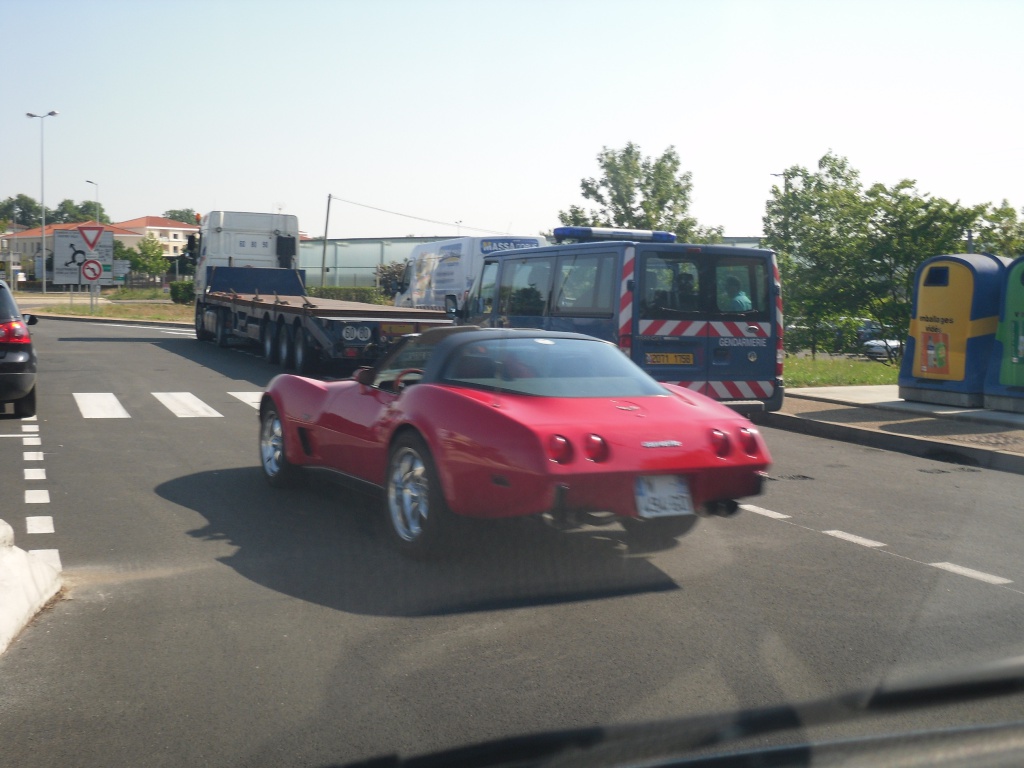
(248, 288)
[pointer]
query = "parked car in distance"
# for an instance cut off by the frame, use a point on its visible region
(17, 357)
(462, 422)
(882, 349)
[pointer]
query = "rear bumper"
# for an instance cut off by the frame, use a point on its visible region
(14, 386)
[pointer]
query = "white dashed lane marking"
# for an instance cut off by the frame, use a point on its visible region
(971, 573)
(100, 405)
(960, 570)
(37, 496)
(855, 539)
(32, 455)
(249, 398)
(39, 524)
(185, 405)
(35, 474)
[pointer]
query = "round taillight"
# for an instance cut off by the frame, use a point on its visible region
(595, 448)
(748, 439)
(720, 442)
(559, 449)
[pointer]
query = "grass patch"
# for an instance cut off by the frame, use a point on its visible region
(837, 372)
(138, 294)
(185, 314)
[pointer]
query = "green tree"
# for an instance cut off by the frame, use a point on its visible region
(148, 257)
(22, 210)
(1000, 231)
(638, 192)
(906, 228)
(185, 215)
(388, 276)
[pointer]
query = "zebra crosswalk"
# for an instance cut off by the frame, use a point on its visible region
(184, 405)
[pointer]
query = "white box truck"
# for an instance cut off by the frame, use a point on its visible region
(435, 270)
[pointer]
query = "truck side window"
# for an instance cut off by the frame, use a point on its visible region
(584, 285)
(526, 287)
(484, 292)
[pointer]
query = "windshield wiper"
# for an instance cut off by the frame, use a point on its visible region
(626, 744)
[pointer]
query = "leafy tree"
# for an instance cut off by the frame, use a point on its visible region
(185, 215)
(148, 258)
(637, 192)
(845, 252)
(388, 276)
(906, 227)
(22, 210)
(1000, 231)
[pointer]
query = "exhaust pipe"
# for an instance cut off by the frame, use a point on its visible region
(722, 508)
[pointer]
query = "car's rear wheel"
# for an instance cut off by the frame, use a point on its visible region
(661, 530)
(277, 470)
(26, 406)
(418, 517)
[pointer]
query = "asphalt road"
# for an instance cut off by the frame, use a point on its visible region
(209, 620)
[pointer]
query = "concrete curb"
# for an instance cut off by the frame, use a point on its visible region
(940, 450)
(27, 584)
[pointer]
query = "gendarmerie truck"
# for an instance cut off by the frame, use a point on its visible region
(247, 287)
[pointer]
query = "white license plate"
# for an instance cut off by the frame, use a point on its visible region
(663, 496)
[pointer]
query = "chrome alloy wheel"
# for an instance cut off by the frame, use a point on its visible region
(408, 494)
(272, 445)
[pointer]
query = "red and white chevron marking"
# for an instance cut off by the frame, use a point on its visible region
(730, 390)
(672, 327)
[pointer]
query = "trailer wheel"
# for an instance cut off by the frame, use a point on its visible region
(201, 333)
(269, 339)
(285, 347)
(305, 353)
(222, 328)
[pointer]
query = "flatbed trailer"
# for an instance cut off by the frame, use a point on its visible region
(269, 307)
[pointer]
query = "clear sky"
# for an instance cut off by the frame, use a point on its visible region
(489, 112)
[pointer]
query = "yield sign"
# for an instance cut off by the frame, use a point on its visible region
(91, 235)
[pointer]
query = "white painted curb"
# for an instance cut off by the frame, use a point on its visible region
(26, 584)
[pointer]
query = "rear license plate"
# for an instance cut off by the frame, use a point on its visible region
(668, 358)
(663, 496)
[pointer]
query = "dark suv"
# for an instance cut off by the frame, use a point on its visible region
(17, 357)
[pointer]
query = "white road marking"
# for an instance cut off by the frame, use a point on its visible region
(765, 512)
(100, 405)
(35, 474)
(39, 524)
(32, 455)
(49, 556)
(185, 405)
(31, 441)
(249, 398)
(29, 427)
(971, 573)
(37, 496)
(855, 539)
(30, 418)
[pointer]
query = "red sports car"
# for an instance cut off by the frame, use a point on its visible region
(463, 422)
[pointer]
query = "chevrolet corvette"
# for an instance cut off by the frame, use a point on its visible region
(463, 422)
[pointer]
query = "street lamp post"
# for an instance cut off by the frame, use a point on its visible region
(95, 184)
(42, 187)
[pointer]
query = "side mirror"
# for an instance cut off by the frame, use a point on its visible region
(364, 375)
(30, 319)
(451, 305)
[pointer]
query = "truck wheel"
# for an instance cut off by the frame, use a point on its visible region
(305, 354)
(269, 342)
(285, 348)
(222, 329)
(201, 333)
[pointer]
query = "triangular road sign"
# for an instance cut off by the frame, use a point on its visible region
(91, 235)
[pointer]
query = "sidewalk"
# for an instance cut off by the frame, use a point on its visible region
(876, 417)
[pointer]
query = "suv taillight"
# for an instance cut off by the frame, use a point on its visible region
(14, 332)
